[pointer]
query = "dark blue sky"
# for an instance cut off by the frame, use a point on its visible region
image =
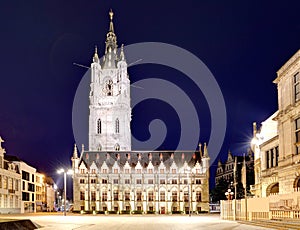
(243, 43)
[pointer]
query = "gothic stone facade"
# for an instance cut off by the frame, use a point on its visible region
(111, 177)
(277, 143)
(160, 182)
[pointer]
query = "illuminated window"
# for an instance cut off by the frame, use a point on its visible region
(82, 171)
(126, 171)
(104, 170)
(116, 171)
(173, 171)
(162, 171)
(150, 170)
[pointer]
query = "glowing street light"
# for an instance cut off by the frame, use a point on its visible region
(229, 194)
(65, 172)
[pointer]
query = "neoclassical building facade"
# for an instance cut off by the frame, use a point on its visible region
(109, 176)
(277, 143)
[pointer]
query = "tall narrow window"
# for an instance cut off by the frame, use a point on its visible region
(117, 126)
(297, 132)
(267, 160)
(277, 155)
(174, 196)
(162, 196)
(104, 196)
(81, 195)
(99, 126)
(198, 196)
(297, 86)
(186, 196)
(272, 158)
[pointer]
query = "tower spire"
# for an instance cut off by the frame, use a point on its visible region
(111, 25)
(96, 58)
(75, 154)
(205, 151)
(122, 55)
(110, 57)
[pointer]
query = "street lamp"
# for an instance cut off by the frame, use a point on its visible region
(229, 194)
(65, 172)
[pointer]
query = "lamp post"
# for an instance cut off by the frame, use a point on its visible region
(65, 172)
(229, 195)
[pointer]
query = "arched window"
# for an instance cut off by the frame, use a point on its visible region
(117, 126)
(99, 126)
(117, 147)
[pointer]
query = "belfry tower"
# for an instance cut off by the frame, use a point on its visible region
(110, 111)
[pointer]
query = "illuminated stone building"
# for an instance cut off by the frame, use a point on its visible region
(109, 176)
(277, 143)
(10, 180)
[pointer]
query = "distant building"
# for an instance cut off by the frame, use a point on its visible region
(277, 143)
(225, 170)
(22, 188)
(10, 180)
(109, 176)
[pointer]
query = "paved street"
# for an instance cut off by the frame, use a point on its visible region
(90, 222)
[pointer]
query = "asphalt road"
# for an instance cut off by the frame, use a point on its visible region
(136, 222)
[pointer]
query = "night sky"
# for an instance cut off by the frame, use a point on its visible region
(243, 43)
